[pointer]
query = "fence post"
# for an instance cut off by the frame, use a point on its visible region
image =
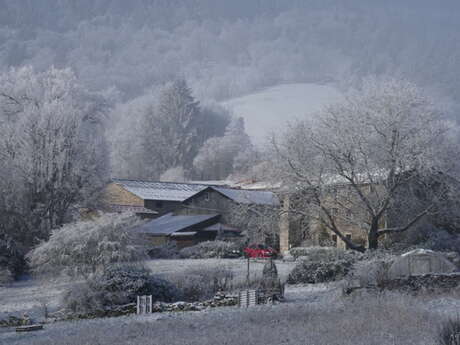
(150, 304)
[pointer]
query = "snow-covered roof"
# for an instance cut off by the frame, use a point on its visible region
(419, 251)
(168, 191)
(243, 196)
(173, 191)
(170, 223)
(184, 233)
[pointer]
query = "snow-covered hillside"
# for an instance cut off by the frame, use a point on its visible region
(272, 108)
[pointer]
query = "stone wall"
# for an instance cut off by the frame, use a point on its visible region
(117, 195)
(428, 282)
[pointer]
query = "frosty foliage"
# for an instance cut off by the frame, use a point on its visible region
(87, 246)
(219, 157)
(324, 254)
(210, 249)
(230, 48)
(321, 264)
(202, 283)
(387, 136)
(163, 133)
(53, 153)
(312, 272)
(116, 285)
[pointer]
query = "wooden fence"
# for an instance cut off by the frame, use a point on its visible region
(248, 298)
(144, 304)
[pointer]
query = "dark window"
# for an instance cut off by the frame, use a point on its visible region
(348, 236)
(159, 204)
(334, 239)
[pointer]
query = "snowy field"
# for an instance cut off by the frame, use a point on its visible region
(237, 266)
(31, 296)
(272, 108)
(312, 315)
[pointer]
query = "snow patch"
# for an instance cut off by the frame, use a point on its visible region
(271, 109)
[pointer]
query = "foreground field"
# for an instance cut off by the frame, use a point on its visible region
(32, 296)
(312, 315)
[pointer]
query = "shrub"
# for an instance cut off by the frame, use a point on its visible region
(85, 246)
(6, 276)
(210, 249)
(203, 283)
(116, 286)
(449, 333)
(323, 254)
(319, 272)
(166, 251)
(372, 272)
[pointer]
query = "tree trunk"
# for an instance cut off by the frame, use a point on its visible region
(373, 237)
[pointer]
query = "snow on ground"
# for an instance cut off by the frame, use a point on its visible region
(272, 108)
(238, 266)
(312, 314)
(30, 296)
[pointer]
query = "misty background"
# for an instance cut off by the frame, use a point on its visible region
(266, 61)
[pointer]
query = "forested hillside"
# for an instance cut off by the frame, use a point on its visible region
(229, 48)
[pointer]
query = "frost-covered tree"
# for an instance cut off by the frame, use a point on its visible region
(220, 157)
(161, 131)
(172, 130)
(87, 246)
(356, 158)
(53, 152)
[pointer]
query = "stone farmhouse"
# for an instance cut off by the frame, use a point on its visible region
(300, 232)
(186, 213)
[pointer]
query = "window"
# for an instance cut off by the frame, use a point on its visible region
(159, 204)
(349, 214)
(334, 240)
(207, 196)
(348, 236)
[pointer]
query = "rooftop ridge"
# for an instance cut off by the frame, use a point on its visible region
(115, 179)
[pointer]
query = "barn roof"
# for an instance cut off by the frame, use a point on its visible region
(168, 191)
(173, 191)
(170, 223)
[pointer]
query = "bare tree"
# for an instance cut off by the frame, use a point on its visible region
(352, 162)
(261, 222)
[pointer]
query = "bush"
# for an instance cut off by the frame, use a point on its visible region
(116, 286)
(372, 272)
(166, 251)
(211, 249)
(312, 272)
(324, 254)
(202, 284)
(83, 247)
(449, 334)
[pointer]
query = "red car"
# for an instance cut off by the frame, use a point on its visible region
(259, 251)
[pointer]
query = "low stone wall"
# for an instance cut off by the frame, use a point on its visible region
(410, 284)
(220, 300)
(424, 282)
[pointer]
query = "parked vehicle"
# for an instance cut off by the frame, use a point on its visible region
(259, 251)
